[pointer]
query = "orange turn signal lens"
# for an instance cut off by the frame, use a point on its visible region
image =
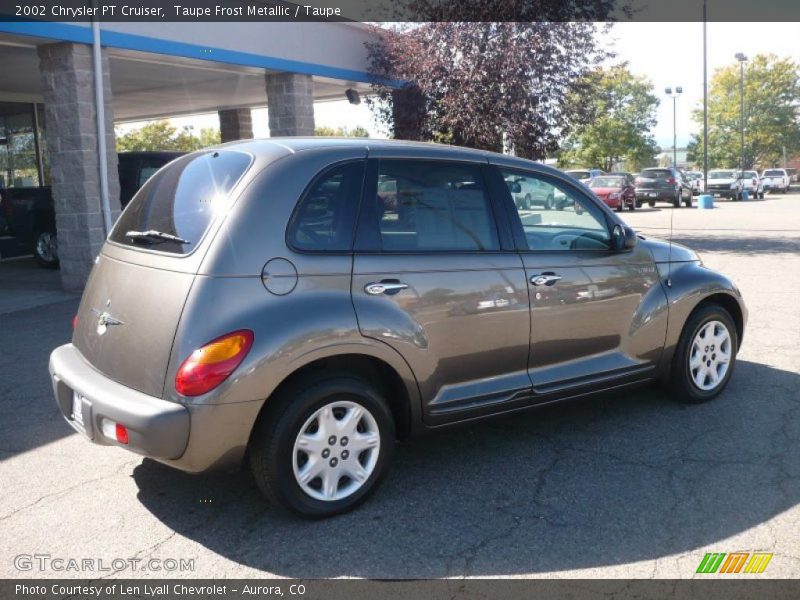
(211, 364)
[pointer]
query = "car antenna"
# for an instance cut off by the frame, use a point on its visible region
(669, 252)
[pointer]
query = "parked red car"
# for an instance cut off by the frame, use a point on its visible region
(615, 190)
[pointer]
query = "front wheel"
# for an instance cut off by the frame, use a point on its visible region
(705, 356)
(323, 446)
(45, 249)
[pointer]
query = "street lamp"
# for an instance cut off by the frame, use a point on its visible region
(742, 59)
(674, 96)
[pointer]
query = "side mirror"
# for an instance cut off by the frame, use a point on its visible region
(623, 238)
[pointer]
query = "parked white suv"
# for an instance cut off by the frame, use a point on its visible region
(776, 180)
(753, 184)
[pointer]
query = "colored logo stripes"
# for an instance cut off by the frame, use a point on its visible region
(734, 562)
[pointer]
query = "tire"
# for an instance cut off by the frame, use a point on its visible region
(528, 201)
(676, 201)
(688, 202)
(550, 203)
(275, 454)
(621, 206)
(45, 249)
(683, 377)
(651, 203)
(634, 205)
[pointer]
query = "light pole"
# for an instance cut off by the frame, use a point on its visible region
(674, 96)
(742, 59)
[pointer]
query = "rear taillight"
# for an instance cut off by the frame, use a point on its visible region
(74, 322)
(755, 182)
(671, 180)
(211, 364)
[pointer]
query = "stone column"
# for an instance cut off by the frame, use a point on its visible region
(68, 87)
(290, 104)
(235, 124)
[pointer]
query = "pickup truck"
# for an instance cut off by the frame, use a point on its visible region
(28, 216)
(776, 180)
(725, 183)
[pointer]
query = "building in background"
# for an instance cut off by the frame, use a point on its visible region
(50, 132)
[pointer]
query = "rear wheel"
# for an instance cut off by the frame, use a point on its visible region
(550, 203)
(634, 205)
(676, 201)
(322, 447)
(45, 249)
(651, 203)
(705, 356)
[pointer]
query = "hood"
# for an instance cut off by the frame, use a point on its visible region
(661, 251)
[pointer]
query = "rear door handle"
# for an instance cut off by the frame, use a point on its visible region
(545, 279)
(384, 287)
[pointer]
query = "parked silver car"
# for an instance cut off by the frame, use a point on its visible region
(269, 301)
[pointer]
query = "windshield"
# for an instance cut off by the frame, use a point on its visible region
(773, 173)
(606, 182)
(579, 174)
(721, 175)
(173, 210)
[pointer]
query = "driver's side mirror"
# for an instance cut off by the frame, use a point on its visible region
(623, 238)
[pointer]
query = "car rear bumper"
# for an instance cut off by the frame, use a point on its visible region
(189, 437)
(655, 195)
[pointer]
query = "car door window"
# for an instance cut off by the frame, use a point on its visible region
(433, 206)
(566, 221)
(324, 218)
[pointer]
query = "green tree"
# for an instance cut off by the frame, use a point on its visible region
(161, 135)
(771, 114)
(357, 131)
(621, 111)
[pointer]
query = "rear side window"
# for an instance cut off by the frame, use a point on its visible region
(433, 206)
(181, 201)
(324, 219)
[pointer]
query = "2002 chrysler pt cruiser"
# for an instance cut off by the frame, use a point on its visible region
(302, 304)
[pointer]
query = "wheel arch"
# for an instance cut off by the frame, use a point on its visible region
(391, 375)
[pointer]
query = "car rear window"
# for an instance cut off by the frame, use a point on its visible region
(773, 173)
(654, 173)
(603, 182)
(181, 200)
(721, 175)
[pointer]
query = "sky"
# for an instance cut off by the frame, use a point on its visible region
(670, 54)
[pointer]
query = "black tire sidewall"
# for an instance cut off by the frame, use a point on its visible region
(47, 264)
(278, 462)
(681, 378)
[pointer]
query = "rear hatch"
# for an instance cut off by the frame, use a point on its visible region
(655, 179)
(135, 295)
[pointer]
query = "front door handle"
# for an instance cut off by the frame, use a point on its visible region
(545, 279)
(384, 287)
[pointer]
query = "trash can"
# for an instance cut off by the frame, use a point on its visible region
(745, 195)
(705, 201)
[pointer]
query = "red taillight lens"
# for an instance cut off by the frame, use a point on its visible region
(121, 434)
(210, 365)
(671, 180)
(74, 322)
(755, 182)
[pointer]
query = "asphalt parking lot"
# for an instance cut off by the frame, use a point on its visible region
(631, 485)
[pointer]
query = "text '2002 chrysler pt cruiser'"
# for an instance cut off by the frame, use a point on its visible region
(301, 304)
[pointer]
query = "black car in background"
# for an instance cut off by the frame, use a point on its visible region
(663, 184)
(28, 218)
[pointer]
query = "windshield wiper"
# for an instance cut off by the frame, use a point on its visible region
(152, 234)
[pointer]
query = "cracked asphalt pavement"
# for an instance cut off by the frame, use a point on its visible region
(628, 485)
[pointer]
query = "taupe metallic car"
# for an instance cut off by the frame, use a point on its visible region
(265, 302)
